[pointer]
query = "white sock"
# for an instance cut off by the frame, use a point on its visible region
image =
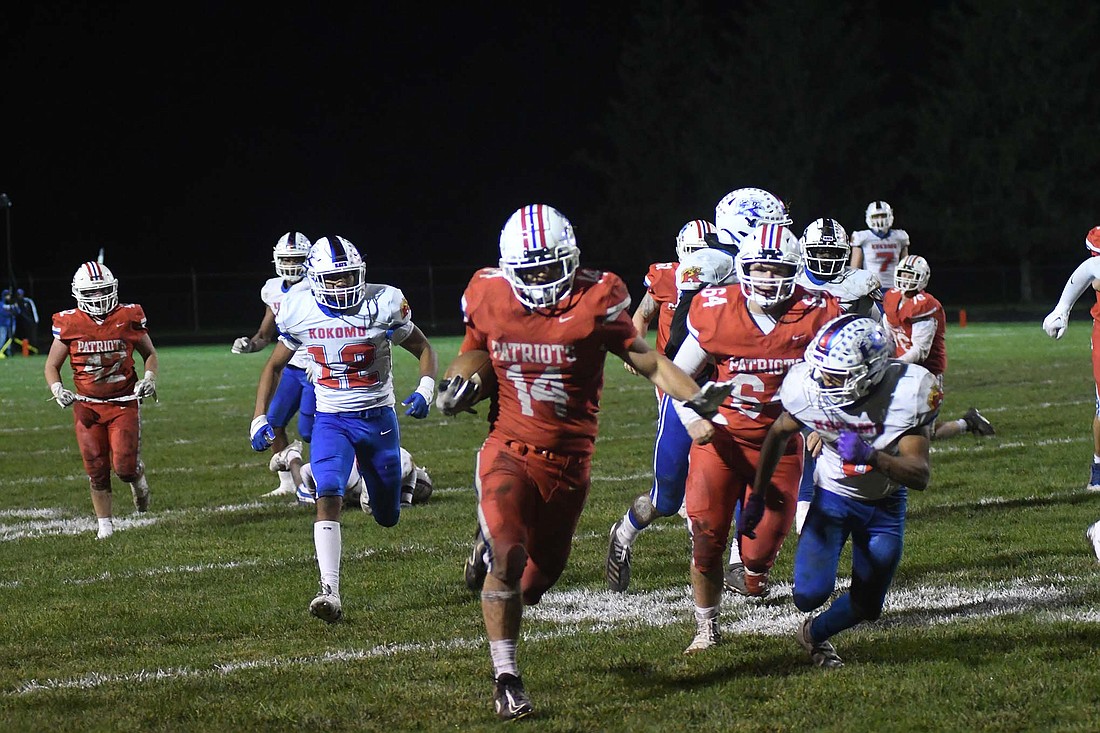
(106, 528)
(962, 425)
(504, 657)
(328, 541)
(735, 551)
(702, 615)
(1096, 459)
(626, 532)
(286, 480)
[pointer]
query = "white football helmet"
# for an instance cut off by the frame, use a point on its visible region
(912, 273)
(849, 355)
(539, 255)
(290, 256)
(692, 236)
(95, 289)
(741, 210)
(880, 217)
(1092, 241)
(770, 244)
(825, 248)
(331, 260)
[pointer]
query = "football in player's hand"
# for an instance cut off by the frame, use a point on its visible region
(477, 367)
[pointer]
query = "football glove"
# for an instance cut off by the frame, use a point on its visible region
(64, 397)
(456, 395)
(147, 387)
(1055, 324)
(751, 513)
(243, 345)
(263, 435)
(708, 398)
(313, 371)
(420, 401)
(853, 449)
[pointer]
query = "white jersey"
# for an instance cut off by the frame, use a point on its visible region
(908, 397)
(704, 268)
(353, 352)
(881, 253)
(272, 293)
(854, 288)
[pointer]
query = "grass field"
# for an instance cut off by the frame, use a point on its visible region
(194, 616)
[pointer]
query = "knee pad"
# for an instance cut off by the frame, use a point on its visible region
(644, 511)
(509, 562)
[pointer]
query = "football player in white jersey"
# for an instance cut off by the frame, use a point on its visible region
(348, 327)
(875, 416)
(880, 247)
(294, 393)
(825, 251)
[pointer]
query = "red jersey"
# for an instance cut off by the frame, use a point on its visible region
(548, 363)
(101, 352)
(660, 283)
(901, 317)
(756, 361)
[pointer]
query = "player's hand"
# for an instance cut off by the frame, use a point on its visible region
(708, 398)
(418, 406)
(813, 444)
(701, 431)
(751, 513)
(1055, 324)
(313, 372)
(456, 395)
(853, 449)
(63, 396)
(263, 435)
(243, 345)
(630, 368)
(147, 387)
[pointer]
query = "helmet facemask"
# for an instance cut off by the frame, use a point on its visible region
(290, 256)
(337, 273)
(539, 255)
(776, 247)
(541, 282)
(912, 274)
(879, 217)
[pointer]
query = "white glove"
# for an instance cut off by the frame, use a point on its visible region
(147, 387)
(456, 395)
(243, 345)
(313, 371)
(63, 396)
(1055, 324)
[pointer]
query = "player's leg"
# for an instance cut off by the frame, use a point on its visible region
(666, 495)
(332, 456)
(710, 503)
(95, 451)
(1094, 474)
(124, 435)
(816, 560)
(378, 451)
(307, 409)
(505, 499)
(284, 404)
(805, 484)
(563, 485)
(758, 554)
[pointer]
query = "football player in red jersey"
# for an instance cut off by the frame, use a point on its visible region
(99, 337)
(914, 318)
(753, 333)
(547, 325)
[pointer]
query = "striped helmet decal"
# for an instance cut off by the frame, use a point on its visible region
(95, 272)
(824, 343)
(534, 227)
(336, 246)
(771, 237)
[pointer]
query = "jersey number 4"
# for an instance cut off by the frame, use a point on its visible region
(547, 387)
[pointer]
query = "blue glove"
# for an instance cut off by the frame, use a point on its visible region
(751, 514)
(418, 406)
(263, 435)
(853, 449)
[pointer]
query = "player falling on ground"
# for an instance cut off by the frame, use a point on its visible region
(880, 247)
(666, 494)
(875, 417)
(348, 327)
(294, 393)
(754, 333)
(736, 214)
(915, 322)
(547, 324)
(825, 252)
(99, 338)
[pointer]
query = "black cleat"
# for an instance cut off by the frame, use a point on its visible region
(617, 570)
(510, 699)
(476, 569)
(977, 424)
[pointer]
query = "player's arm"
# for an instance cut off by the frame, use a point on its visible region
(678, 330)
(857, 258)
(147, 386)
(1085, 276)
(924, 331)
(771, 450)
(910, 467)
(417, 344)
(263, 336)
(644, 314)
(58, 353)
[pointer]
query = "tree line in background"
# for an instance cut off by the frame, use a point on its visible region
(977, 121)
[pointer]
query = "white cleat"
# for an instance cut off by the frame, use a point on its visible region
(326, 606)
(822, 653)
(281, 461)
(706, 636)
(1093, 536)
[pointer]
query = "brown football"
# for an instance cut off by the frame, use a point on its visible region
(478, 368)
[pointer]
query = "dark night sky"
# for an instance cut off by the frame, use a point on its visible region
(201, 133)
